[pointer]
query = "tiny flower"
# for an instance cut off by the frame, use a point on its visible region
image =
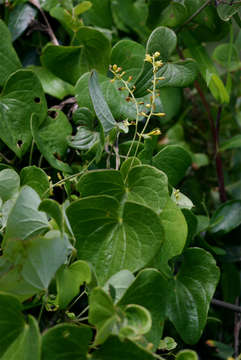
(148, 58)
(130, 78)
(155, 132)
(148, 106)
(156, 54)
(160, 114)
(115, 67)
(158, 63)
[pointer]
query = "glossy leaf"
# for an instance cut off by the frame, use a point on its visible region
(101, 233)
(66, 341)
(22, 96)
(9, 184)
(174, 161)
(7, 52)
(68, 281)
(20, 18)
(99, 14)
(25, 221)
(11, 321)
(120, 282)
(52, 84)
(27, 345)
(187, 355)
(54, 210)
(51, 138)
(226, 218)
(36, 178)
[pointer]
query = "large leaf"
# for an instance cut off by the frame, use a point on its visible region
(174, 161)
(189, 295)
(143, 184)
(99, 14)
(36, 178)
(22, 96)
(52, 84)
(114, 236)
(27, 345)
(11, 321)
(68, 281)
(226, 218)
(51, 138)
(129, 55)
(66, 341)
(59, 59)
(93, 41)
(20, 18)
(25, 221)
(179, 74)
(9, 184)
(9, 61)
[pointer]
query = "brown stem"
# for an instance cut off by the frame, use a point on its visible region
(227, 305)
(49, 29)
(237, 328)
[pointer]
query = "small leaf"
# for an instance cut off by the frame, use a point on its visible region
(233, 143)
(36, 178)
(120, 282)
(53, 209)
(20, 18)
(187, 355)
(226, 218)
(102, 110)
(226, 11)
(25, 221)
(7, 52)
(52, 84)
(9, 184)
(68, 281)
(11, 321)
(63, 341)
(82, 7)
(174, 161)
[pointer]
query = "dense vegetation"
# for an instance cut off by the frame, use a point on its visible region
(120, 181)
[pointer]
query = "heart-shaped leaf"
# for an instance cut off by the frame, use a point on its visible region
(66, 341)
(9, 184)
(51, 138)
(107, 229)
(9, 61)
(36, 178)
(22, 96)
(68, 281)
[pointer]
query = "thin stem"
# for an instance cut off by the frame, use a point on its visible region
(31, 154)
(237, 328)
(77, 299)
(82, 312)
(194, 15)
(6, 159)
(226, 305)
(49, 29)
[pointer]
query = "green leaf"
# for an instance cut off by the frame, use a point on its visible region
(189, 295)
(227, 55)
(174, 161)
(52, 84)
(20, 18)
(68, 281)
(54, 210)
(27, 345)
(172, 219)
(120, 282)
(129, 55)
(36, 178)
(103, 233)
(174, 14)
(144, 185)
(139, 322)
(225, 11)
(59, 59)
(167, 343)
(133, 15)
(102, 109)
(187, 355)
(44, 256)
(99, 14)
(22, 96)
(226, 218)
(11, 321)
(67, 18)
(147, 290)
(117, 349)
(9, 61)
(66, 341)
(9, 184)
(127, 165)
(233, 143)
(51, 138)
(82, 7)
(163, 40)
(92, 41)
(25, 221)
(206, 67)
